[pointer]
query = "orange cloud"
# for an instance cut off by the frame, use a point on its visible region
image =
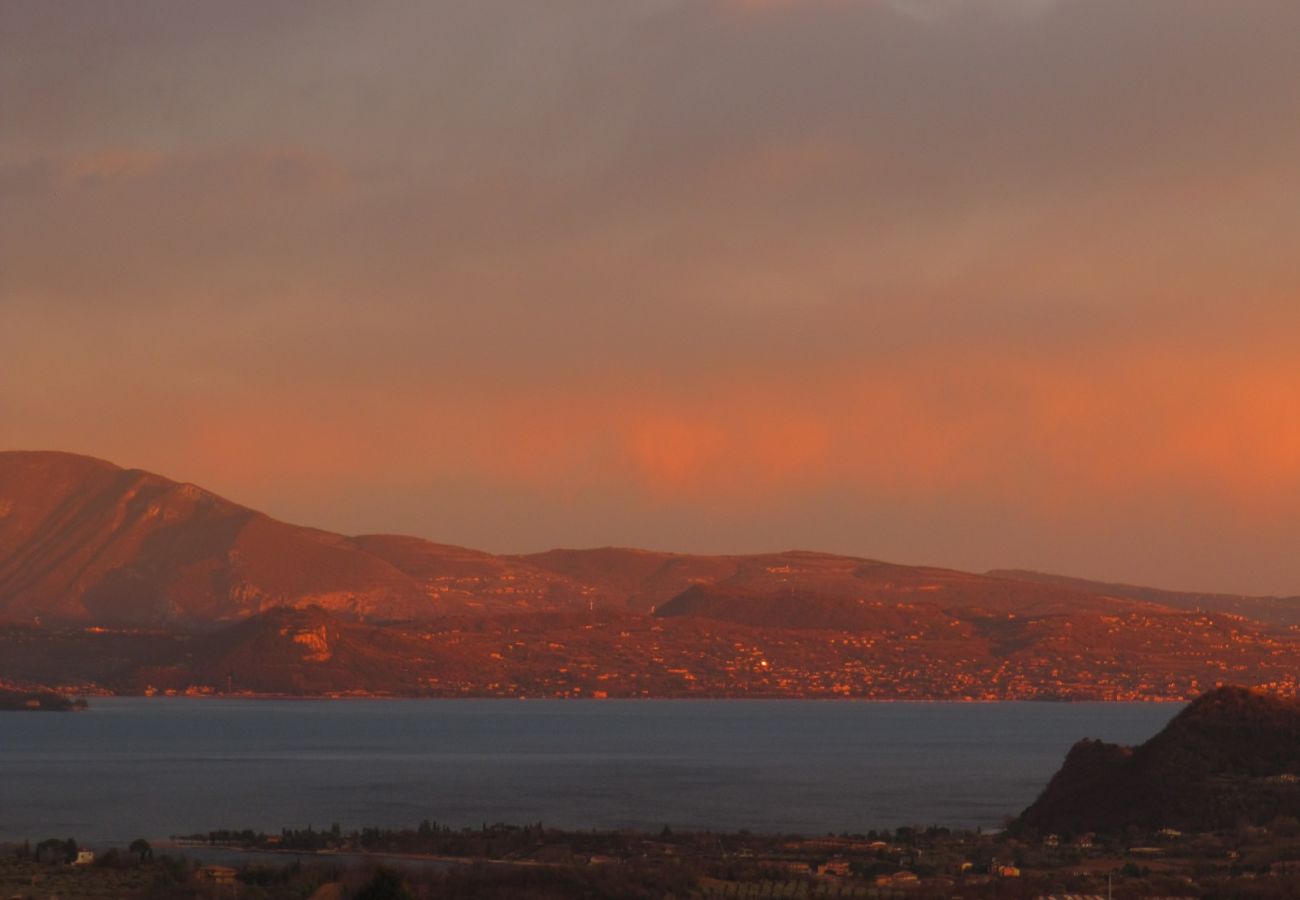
(1042, 434)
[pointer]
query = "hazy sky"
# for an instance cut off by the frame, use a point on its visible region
(966, 282)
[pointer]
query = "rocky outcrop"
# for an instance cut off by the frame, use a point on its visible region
(1232, 756)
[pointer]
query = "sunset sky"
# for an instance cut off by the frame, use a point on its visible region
(972, 283)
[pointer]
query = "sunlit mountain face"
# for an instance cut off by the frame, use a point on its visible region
(120, 580)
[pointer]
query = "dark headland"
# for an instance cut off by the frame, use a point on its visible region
(37, 701)
(1232, 757)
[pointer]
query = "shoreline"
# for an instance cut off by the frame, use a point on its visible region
(349, 856)
(315, 698)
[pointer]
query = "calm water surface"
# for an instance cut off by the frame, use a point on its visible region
(158, 767)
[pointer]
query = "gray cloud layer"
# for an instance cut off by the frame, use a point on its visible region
(494, 215)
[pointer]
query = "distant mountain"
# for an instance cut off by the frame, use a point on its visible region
(1278, 610)
(82, 540)
(459, 580)
(139, 580)
(293, 651)
(634, 579)
(642, 580)
(799, 609)
(1233, 755)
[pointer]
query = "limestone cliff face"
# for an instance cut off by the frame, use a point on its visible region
(315, 641)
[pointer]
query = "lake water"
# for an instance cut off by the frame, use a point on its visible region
(159, 767)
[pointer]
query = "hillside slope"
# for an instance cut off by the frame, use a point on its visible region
(1277, 610)
(643, 581)
(84, 540)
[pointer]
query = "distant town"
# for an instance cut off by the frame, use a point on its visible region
(119, 581)
(601, 655)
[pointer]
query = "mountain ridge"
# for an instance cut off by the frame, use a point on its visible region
(84, 541)
(122, 580)
(1274, 609)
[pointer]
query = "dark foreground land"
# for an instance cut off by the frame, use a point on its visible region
(503, 861)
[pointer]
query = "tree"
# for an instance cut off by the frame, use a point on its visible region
(385, 885)
(143, 852)
(51, 850)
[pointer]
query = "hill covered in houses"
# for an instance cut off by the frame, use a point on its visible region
(116, 579)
